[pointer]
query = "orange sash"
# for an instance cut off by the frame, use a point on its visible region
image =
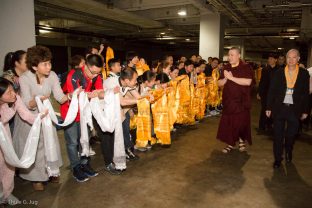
(143, 123)
(161, 120)
(291, 80)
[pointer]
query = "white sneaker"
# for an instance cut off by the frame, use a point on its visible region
(208, 114)
(91, 152)
(213, 113)
(148, 147)
(141, 149)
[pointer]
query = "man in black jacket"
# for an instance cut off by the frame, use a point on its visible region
(265, 123)
(288, 100)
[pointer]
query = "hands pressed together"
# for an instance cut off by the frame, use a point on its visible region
(228, 75)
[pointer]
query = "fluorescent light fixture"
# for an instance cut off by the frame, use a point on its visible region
(166, 38)
(44, 31)
(187, 39)
(292, 38)
(46, 27)
(292, 30)
(162, 33)
(182, 12)
(279, 48)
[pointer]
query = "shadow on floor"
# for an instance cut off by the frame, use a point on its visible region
(288, 189)
(220, 174)
(305, 137)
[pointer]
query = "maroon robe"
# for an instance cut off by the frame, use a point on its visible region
(236, 100)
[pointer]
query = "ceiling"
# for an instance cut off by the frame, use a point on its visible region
(264, 25)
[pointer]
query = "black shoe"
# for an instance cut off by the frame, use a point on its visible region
(288, 157)
(86, 168)
(79, 174)
(131, 156)
(276, 164)
(112, 170)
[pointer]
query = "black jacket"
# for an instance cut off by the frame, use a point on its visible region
(278, 88)
(264, 84)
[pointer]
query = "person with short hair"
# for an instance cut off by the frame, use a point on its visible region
(265, 123)
(287, 103)
(188, 68)
(89, 79)
(127, 82)
(39, 80)
(235, 124)
(77, 61)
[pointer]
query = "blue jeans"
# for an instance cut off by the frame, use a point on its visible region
(72, 137)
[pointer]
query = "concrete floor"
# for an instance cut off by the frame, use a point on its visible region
(193, 172)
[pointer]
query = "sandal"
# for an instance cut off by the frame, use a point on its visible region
(241, 146)
(227, 149)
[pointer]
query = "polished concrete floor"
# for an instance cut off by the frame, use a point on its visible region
(193, 172)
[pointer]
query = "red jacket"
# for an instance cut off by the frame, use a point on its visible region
(76, 78)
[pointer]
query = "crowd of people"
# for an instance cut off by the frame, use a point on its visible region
(151, 102)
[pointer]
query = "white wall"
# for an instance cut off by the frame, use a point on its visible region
(210, 36)
(17, 26)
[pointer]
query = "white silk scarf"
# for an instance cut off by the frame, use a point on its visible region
(30, 149)
(50, 140)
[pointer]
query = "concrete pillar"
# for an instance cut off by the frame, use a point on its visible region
(211, 36)
(17, 23)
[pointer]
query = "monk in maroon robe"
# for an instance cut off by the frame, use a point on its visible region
(234, 125)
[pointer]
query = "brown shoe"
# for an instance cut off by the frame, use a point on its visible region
(38, 186)
(54, 179)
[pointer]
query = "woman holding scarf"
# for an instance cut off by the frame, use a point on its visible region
(38, 81)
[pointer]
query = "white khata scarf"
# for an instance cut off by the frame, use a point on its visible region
(85, 120)
(50, 143)
(30, 149)
(109, 120)
(108, 117)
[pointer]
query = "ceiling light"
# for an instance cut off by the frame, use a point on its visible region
(162, 33)
(279, 48)
(166, 38)
(292, 38)
(44, 31)
(46, 27)
(187, 39)
(292, 30)
(182, 12)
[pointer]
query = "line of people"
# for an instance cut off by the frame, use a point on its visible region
(165, 86)
(153, 102)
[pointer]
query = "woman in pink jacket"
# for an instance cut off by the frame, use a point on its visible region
(10, 103)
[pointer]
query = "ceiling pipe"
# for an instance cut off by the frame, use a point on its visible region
(290, 5)
(156, 6)
(230, 11)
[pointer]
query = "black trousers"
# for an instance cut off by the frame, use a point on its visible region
(286, 125)
(107, 143)
(264, 121)
(126, 132)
